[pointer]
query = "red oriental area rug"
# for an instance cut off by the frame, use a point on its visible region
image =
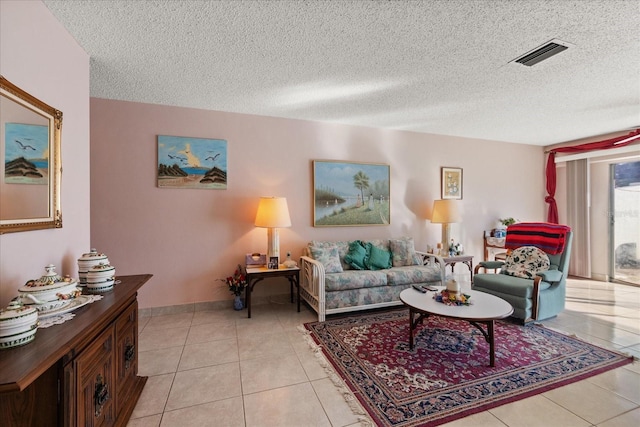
(447, 375)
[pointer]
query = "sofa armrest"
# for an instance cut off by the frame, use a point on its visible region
(310, 260)
(432, 260)
(551, 276)
(312, 277)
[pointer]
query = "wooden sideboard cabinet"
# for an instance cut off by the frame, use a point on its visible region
(81, 373)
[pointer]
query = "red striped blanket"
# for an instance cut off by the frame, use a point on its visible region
(549, 237)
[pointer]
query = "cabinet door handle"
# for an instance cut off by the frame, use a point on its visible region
(129, 354)
(100, 396)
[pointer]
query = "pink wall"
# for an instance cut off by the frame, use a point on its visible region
(38, 55)
(190, 238)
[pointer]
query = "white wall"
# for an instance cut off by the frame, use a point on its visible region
(189, 238)
(39, 56)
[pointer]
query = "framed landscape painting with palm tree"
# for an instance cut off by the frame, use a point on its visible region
(350, 194)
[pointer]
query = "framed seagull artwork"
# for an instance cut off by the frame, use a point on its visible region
(26, 154)
(192, 162)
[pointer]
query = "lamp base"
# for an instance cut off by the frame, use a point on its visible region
(446, 238)
(273, 248)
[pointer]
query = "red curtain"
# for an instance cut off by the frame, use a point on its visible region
(552, 215)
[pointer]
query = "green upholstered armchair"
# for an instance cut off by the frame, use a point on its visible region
(537, 299)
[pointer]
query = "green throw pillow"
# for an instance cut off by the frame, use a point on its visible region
(377, 259)
(357, 255)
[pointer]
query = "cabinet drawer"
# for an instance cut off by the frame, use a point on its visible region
(95, 384)
(126, 354)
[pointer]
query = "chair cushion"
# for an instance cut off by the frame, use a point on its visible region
(411, 274)
(328, 257)
(507, 285)
(525, 262)
(354, 279)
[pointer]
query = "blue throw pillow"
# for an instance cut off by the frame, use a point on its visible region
(356, 256)
(377, 259)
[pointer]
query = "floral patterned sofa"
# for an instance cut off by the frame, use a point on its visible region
(334, 280)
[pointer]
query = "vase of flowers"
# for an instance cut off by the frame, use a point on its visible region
(236, 283)
(237, 303)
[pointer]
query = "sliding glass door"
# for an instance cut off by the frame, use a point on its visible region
(625, 222)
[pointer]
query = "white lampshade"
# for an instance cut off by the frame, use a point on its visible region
(445, 212)
(273, 212)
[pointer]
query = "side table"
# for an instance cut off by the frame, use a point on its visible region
(493, 244)
(464, 259)
(258, 274)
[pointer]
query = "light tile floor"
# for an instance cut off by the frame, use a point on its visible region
(218, 368)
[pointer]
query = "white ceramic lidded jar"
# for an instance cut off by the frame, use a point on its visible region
(49, 292)
(101, 278)
(453, 287)
(87, 261)
(18, 325)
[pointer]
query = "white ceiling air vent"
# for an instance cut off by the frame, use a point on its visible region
(547, 50)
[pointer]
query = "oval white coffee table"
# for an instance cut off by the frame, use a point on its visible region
(485, 309)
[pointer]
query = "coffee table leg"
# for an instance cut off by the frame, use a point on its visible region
(492, 346)
(488, 336)
(411, 327)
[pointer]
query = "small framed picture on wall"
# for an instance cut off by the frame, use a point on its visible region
(451, 183)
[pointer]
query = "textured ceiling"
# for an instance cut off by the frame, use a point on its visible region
(440, 67)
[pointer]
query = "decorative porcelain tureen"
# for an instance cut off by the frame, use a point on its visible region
(101, 278)
(87, 261)
(49, 292)
(18, 325)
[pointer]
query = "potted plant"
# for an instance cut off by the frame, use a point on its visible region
(501, 226)
(508, 221)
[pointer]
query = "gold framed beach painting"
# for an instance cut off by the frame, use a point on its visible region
(192, 162)
(26, 154)
(350, 194)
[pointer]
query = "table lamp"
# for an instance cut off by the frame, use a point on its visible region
(445, 212)
(273, 213)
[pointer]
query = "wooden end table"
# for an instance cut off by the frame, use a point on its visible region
(258, 274)
(485, 310)
(464, 259)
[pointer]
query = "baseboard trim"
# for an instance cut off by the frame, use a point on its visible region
(599, 277)
(204, 306)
